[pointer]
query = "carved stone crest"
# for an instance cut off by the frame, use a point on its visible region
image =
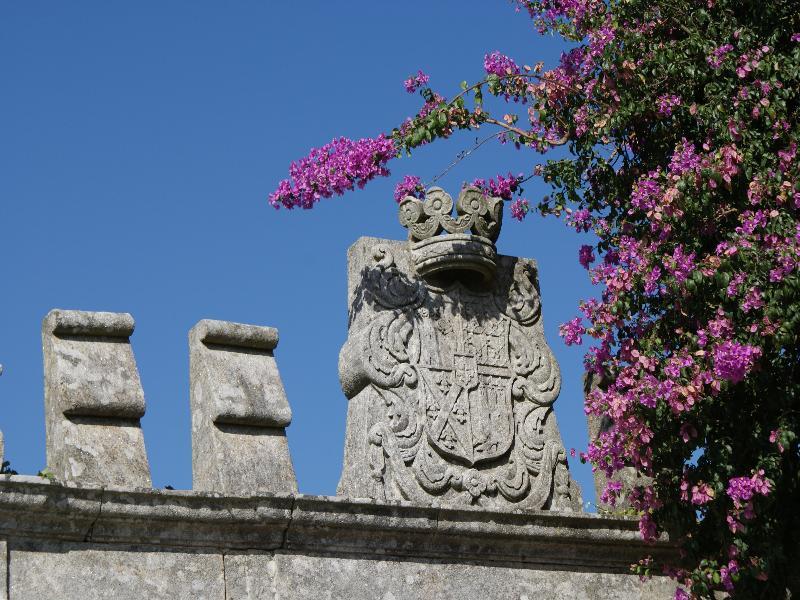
(451, 384)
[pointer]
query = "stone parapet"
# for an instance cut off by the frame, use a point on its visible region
(297, 546)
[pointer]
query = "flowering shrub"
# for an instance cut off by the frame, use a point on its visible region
(681, 119)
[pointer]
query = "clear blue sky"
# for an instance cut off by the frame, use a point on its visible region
(138, 142)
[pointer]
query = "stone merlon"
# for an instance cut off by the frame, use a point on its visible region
(239, 410)
(93, 400)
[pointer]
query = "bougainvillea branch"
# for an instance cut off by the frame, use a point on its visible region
(681, 121)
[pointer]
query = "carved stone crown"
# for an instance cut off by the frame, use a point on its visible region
(457, 250)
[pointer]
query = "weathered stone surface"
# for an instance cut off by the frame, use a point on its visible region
(238, 335)
(68, 542)
(95, 324)
(450, 384)
(250, 576)
(93, 400)
(309, 577)
(78, 571)
(35, 508)
(239, 411)
(92, 372)
(469, 534)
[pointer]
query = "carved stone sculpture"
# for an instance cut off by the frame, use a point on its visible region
(239, 411)
(93, 400)
(449, 378)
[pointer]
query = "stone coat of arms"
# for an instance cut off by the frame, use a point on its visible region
(449, 378)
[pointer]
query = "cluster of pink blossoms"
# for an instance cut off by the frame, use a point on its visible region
(499, 64)
(334, 168)
(775, 437)
(586, 255)
(699, 494)
(549, 13)
(681, 264)
(749, 62)
(411, 185)
(717, 57)
(503, 186)
(733, 360)
(742, 489)
(666, 103)
(581, 220)
(519, 209)
(572, 331)
(414, 82)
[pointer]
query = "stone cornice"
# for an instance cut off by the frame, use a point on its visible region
(34, 508)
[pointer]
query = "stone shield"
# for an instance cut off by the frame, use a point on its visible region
(451, 387)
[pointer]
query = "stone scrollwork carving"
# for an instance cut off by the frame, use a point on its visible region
(468, 243)
(474, 211)
(518, 294)
(486, 212)
(386, 285)
(451, 389)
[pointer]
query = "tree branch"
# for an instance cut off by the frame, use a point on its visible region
(522, 133)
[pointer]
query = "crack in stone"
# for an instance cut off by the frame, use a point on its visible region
(436, 526)
(288, 524)
(90, 531)
(224, 579)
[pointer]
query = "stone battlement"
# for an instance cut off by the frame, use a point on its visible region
(94, 402)
(455, 482)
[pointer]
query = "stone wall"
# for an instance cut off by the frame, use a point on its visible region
(86, 543)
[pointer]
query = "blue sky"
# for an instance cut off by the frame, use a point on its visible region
(138, 142)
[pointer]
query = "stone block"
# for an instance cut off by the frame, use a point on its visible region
(381, 578)
(93, 400)
(239, 411)
(78, 571)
